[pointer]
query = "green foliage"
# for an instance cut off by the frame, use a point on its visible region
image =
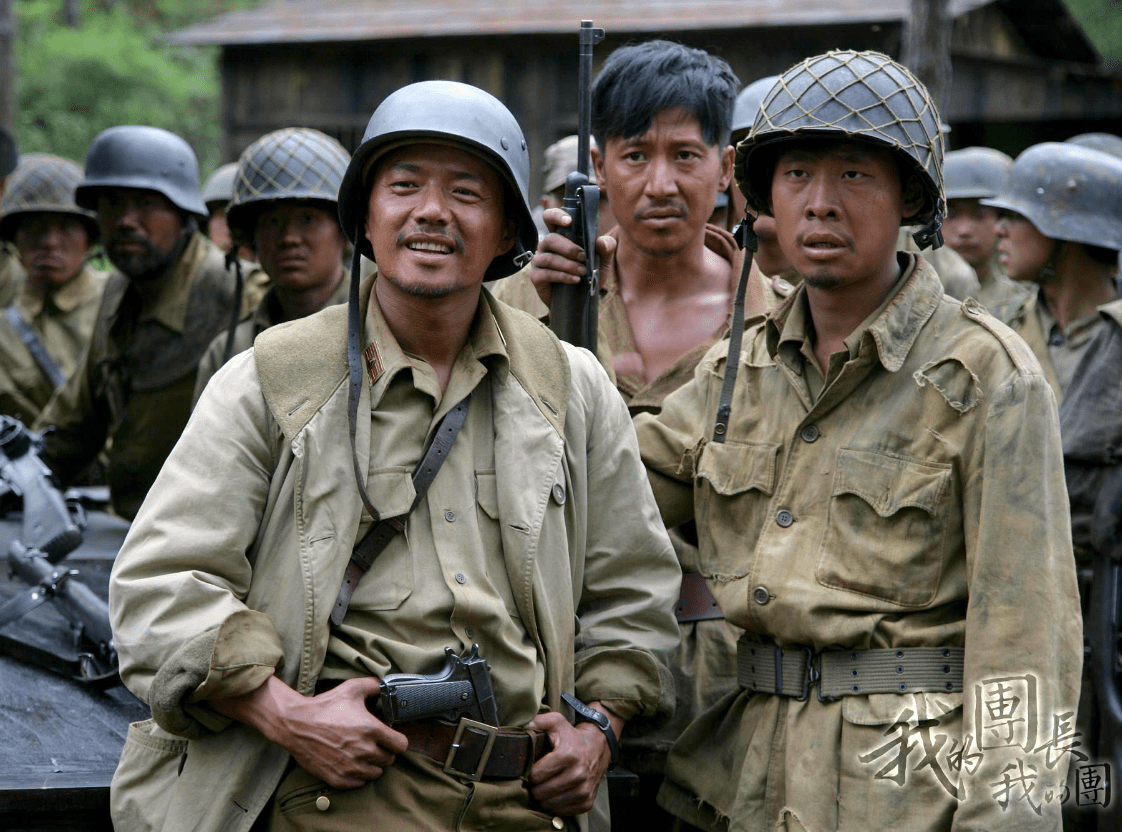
(1102, 21)
(72, 83)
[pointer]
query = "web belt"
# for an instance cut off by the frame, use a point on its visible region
(34, 346)
(767, 668)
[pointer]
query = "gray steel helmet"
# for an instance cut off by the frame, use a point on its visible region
(43, 184)
(748, 103)
(976, 173)
(149, 158)
(1104, 142)
(855, 96)
(220, 186)
(1068, 192)
(293, 163)
(9, 153)
(446, 112)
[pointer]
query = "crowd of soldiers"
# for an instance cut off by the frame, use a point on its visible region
(808, 544)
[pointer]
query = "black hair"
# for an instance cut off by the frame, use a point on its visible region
(639, 81)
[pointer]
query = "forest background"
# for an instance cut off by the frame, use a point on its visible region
(74, 59)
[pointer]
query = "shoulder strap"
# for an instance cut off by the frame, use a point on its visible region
(34, 346)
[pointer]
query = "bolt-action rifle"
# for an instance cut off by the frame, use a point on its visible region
(51, 530)
(574, 309)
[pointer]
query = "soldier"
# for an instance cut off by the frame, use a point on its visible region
(285, 207)
(217, 193)
(661, 116)
(878, 489)
(1103, 142)
(11, 275)
(1058, 229)
(245, 611)
(974, 174)
(43, 334)
(167, 297)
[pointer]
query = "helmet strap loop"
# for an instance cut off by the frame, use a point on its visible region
(236, 312)
(521, 257)
(747, 240)
(931, 235)
(1048, 272)
(354, 368)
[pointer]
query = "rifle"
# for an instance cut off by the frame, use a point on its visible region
(574, 309)
(50, 531)
(461, 688)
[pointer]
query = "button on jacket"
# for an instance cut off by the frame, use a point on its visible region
(929, 510)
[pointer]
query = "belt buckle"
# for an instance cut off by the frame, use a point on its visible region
(813, 674)
(492, 731)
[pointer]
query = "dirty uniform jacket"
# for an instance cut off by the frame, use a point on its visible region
(1058, 349)
(919, 501)
(269, 431)
(12, 275)
(267, 314)
(704, 666)
(138, 375)
(1091, 426)
(958, 277)
(63, 322)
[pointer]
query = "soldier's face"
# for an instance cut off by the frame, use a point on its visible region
(299, 245)
(971, 229)
(662, 186)
(52, 248)
(216, 227)
(436, 219)
(141, 230)
(837, 209)
(1021, 248)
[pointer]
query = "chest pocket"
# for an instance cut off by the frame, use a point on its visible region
(734, 487)
(886, 529)
(390, 580)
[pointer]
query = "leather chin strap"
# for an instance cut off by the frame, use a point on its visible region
(749, 243)
(931, 235)
(1048, 273)
(354, 369)
(239, 290)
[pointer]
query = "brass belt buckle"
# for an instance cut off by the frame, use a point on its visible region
(492, 731)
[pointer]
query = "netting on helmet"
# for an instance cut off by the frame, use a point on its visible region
(294, 163)
(43, 183)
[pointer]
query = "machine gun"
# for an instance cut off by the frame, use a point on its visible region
(51, 530)
(574, 309)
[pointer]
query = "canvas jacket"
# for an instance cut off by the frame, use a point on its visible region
(269, 432)
(919, 501)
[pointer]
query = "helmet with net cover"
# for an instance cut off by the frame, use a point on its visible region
(296, 163)
(1067, 192)
(976, 173)
(219, 189)
(851, 96)
(43, 184)
(446, 112)
(747, 105)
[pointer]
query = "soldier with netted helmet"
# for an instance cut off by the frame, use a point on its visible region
(876, 477)
(971, 175)
(43, 333)
(1061, 233)
(459, 477)
(169, 294)
(285, 207)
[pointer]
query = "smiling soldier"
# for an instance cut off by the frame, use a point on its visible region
(878, 486)
(258, 629)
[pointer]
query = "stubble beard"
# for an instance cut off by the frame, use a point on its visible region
(146, 266)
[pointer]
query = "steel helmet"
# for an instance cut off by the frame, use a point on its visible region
(445, 111)
(1068, 192)
(43, 184)
(293, 163)
(133, 156)
(976, 173)
(855, 96)
(1103, 142)
(747, 105)
(220, 187)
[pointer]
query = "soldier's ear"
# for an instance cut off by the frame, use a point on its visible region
(598, 167)
(912, 196)
(728, 160)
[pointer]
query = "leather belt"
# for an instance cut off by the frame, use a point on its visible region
(477, 751)
(696, 602)
(767, 668)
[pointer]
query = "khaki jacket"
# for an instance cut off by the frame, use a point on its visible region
(12, 275)
(272, 431)
(64, 324)
(919, 501)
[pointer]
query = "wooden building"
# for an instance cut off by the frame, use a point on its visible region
(1023, 69)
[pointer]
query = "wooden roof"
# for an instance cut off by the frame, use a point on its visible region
(307, 21)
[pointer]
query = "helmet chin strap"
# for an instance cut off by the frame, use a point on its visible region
(748, 241)
(931, 235)
(1048, 273)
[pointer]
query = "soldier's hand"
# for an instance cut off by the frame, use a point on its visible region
(566, 779)
(332, 736)
(560, 260)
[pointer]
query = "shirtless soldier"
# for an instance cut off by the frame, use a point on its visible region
(879, 494)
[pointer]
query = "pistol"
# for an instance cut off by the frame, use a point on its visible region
(461, 688)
